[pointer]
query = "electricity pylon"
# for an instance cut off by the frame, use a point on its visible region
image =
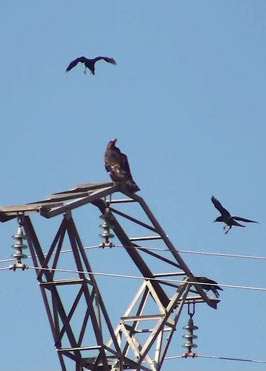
(80, 323)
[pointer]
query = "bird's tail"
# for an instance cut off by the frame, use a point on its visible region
(132, 186)
(216, 293)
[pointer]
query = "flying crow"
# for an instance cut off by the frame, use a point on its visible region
(208, 284)
(226, 217)
(117, 165)
(89, 63)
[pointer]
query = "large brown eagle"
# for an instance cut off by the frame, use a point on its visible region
(89, 63)
(117, 165)
(227, 218)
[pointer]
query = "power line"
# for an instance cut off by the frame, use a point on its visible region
(239, 256)
(219, 357)
(4, 268)
(189, 252)
(222, 254)
(5, 260)
(116, 275)
(141, 277)
(161, 279)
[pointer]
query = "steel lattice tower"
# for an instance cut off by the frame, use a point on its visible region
(82, 330)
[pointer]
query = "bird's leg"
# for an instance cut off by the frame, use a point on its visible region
(84, 70)
(228, 229)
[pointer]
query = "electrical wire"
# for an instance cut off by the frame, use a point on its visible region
(239, 256)
(161, 280)
(116, 275)
(222, 254)
(5, 260)
(218, 357)
(4, 268)
(141, 277)
(192, 252)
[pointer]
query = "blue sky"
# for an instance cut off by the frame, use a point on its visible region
(187, 104)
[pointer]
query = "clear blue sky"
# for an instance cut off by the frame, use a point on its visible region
(187, 104)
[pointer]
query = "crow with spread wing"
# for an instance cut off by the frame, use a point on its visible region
(117, 165)
(89, 63)
(226, 217)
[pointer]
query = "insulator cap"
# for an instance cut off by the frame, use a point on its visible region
(189, 345)
(19, 234)
(19, 255)
(106, 234)
(190, 325)
(190, 336)
(19, 245)
(104, 225)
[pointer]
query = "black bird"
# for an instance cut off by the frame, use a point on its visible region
(208, 284)
(117, 165)
(226, 217)
(89, 63)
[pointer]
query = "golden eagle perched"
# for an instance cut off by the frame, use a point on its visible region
(226, 217)
(117, 165)
(89, 63)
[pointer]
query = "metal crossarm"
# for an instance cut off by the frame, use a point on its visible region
(81, 325)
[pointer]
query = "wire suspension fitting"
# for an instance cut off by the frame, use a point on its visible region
(189, 336)
(19, 236)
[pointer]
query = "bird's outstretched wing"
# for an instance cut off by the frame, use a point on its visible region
(106, 59)
(244, 220)
(74, 63)
(219, 206)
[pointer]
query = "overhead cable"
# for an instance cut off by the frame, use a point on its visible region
(160, 279)
(219, 357)
(239, 256)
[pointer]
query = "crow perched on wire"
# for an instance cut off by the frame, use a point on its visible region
(205, 283)
(208, 284)
(89, 63)
(226, 217)
(117, 165)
